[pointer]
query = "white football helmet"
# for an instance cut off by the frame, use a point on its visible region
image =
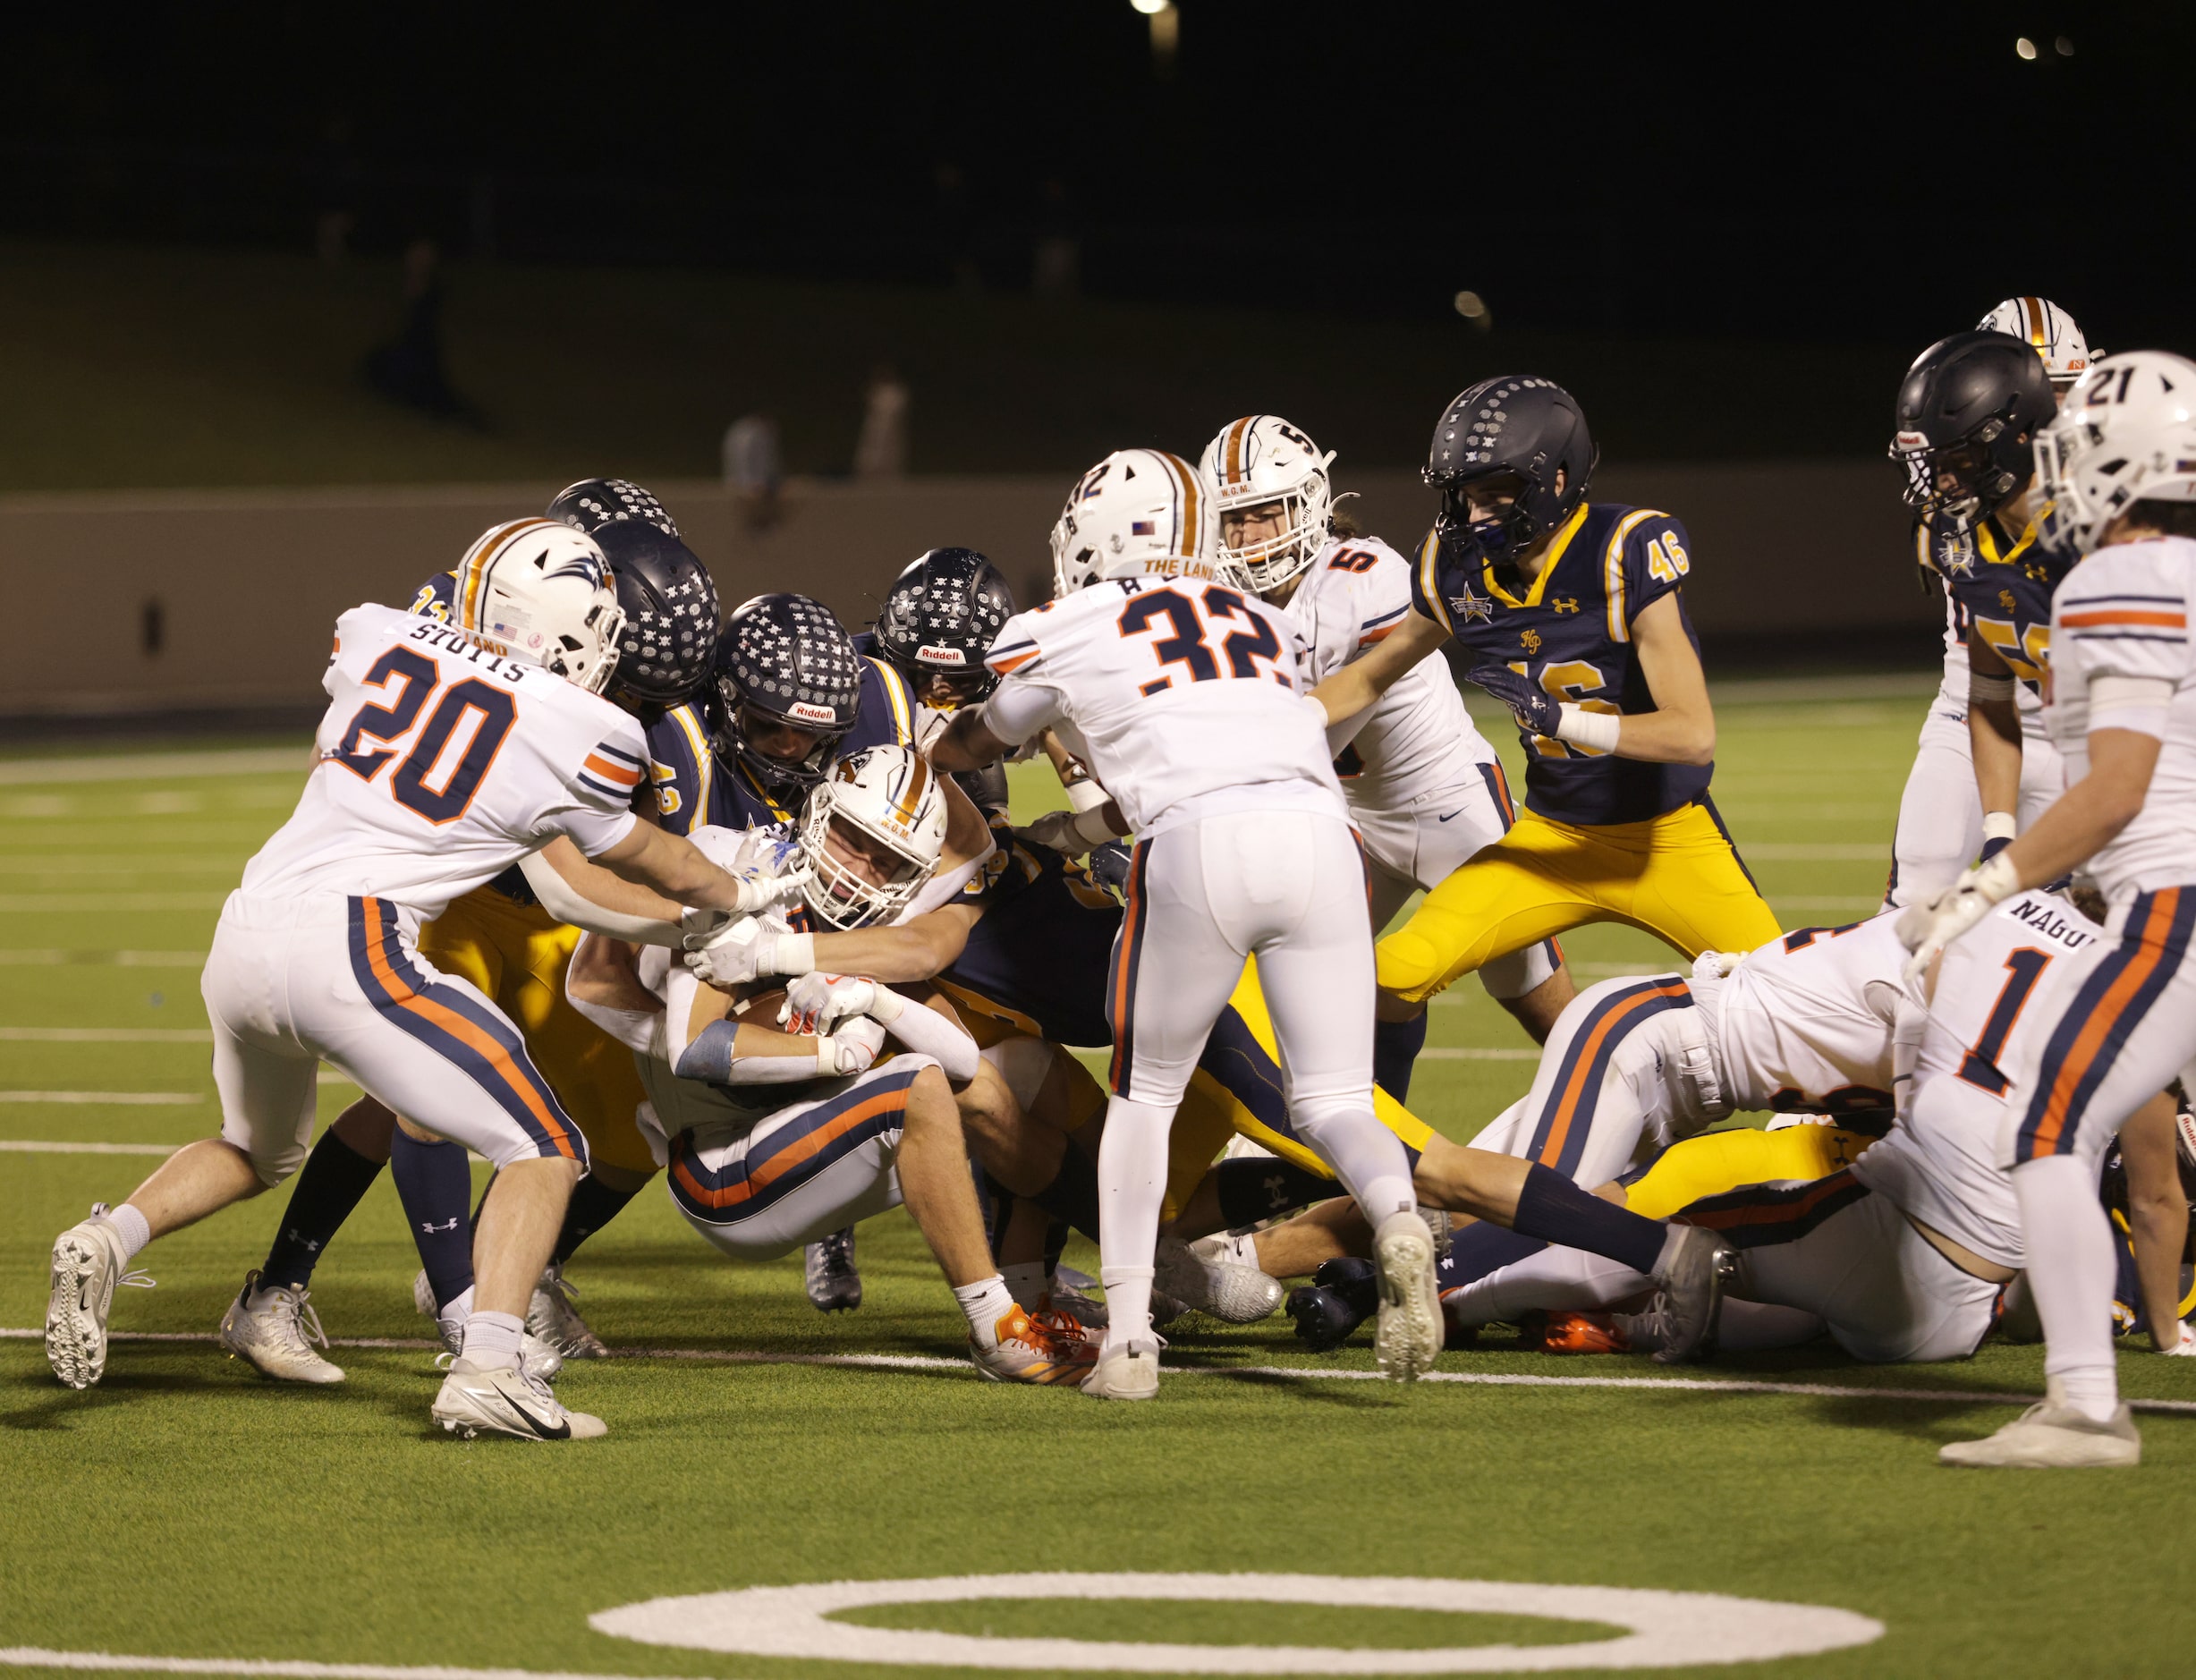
(540, 591)
(2127, 434)
(1138, 512)
(1261, 458)
(2051, 330)
(885, 794)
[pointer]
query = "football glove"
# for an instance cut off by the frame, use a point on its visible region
(1536, 710)
(1109, 865)
(1927, 928)
(817, 1002)
(731, 953)
(851, 1049)
(1072, 832)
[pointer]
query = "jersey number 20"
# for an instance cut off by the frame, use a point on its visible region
(1192, 644)
(391, 719)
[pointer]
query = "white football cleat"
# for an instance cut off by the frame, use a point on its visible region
(1226, 1290)
(2052, 1435)
(423, 1294)
(1126, 1371)
(273, 1329)
(88, 1265)
(552, 1318)
(1409, 1335)
(513, 1400)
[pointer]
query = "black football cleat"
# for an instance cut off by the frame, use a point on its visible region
(833, 1283)
(1343, 1294)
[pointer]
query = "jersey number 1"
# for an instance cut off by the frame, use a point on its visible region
(391, 719)
(1979, 1067)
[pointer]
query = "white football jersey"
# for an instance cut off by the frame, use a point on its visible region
(442, 764)
(1417, 741)
(1168, 689)
(1805, 1022)
(2125, 612)
(2002, 979)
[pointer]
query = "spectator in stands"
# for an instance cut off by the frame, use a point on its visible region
(881, 451)
(752, 470)
(411, 370)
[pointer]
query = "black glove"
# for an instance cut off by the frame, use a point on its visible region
(1536, 711)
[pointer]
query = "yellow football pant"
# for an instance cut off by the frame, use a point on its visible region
(1719, 1162)
(1676, 877)
(517, 954)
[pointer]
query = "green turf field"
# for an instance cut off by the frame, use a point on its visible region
(186, 1510)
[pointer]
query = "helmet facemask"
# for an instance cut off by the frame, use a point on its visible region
(1984, 467)
(1307, 512)
(852, 830)
(1506, 532)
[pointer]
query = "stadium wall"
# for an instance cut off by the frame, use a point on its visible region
(181, 601)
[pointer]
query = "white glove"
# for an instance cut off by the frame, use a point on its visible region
(2187, 1347)
(1072, 832)
(733, 952)
(760, 889)
(817, 1002)
(851, 1049)
(1927, 928)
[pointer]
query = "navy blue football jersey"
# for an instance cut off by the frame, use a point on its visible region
(1043, 946)
(2001, 591)
(693, 787)
(1571, 632)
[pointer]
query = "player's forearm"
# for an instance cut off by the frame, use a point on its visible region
(966, 744)
(2091, 814)
(733, 1053)
(673, 866)
(1994, 736)
(584, 895)
(933, 1031)
(1362, 681)
(891, 955)
(1681, 735)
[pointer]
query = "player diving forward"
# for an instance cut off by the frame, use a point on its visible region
(1968, 412)
(2118, 467)
(1575, 611)
(775, 1132)
(1425, 790)
(447, 753)
(1181, 694)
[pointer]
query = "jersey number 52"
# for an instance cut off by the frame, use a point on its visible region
(489, 712)
(1190, 643)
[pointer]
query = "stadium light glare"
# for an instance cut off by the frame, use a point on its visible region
(2064, 48)
(1151, 8)
(1471, 305)
(2025, 48)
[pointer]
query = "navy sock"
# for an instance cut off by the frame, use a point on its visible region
(1255, 1187)
(334, 1178)
(434, 1184)
(1552, 1207)
(593, 1205)
(1074, 1193)
(1056, 1244)
(1481, 1248)
(1395, 1047)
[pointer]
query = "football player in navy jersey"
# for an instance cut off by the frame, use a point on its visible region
(940, 617)
(1968, 412)
(1575, 612)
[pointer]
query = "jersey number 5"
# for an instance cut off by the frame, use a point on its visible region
(491, 710)
(1192, 645)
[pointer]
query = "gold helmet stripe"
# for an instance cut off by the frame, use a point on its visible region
(2037, 334)
(473, 571)
(1235, 435)
(1186, 475)
(918, 784)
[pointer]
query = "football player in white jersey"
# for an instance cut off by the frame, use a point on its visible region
(1182, 695)
(1424, 788)
(1943, 824)
(2118, 466)
(778, 1131)
(448, 752)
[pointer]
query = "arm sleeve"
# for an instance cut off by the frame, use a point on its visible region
(569, 905)
(2139, 703)
(927, 1033)
(1429, 583)
(713, 1058)
(1647, 557)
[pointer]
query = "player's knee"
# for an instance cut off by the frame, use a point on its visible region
(273, 1162)
(1314, 1113)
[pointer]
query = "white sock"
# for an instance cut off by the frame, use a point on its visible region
(492, 1340)
(1366, 1156)
(458, 1308)
(1027, 1283)
(2070, 1271)
(985, 1304)
(131, 1226)
(1230, 1251)
(1132, 1173)
(1556, 1280)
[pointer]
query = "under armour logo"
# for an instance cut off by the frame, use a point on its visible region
(428, 1228)
(303, 1241)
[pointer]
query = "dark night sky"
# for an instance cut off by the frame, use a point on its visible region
(1861, 174)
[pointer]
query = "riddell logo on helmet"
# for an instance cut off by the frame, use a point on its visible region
(1911, 440)
(811, 714)
(929, 654)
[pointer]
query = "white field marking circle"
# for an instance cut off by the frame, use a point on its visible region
(1667, 1629)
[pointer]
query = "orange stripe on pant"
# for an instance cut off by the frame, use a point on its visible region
(2151, 951)
(776, 1166)
(466, 1032)
(1582, 1064)
(1122, 983)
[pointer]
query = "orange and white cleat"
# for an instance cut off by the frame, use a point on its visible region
(1573, 1333)
(1049, 1348)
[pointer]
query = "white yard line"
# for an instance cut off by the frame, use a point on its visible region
(154, 767)
(51, 958)
(32, 1657)
(106, 1035)
(58, 903)
(37, 1146)
(1842, 906)
(1481, 1378)
(1815, 852)
(1477, 1054)
(137, 1098)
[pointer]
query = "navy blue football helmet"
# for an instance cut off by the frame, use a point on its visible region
(940, 617)
(1968, 412)
(785, 662)
(671, 613)
(1517, 428)
(593, 503)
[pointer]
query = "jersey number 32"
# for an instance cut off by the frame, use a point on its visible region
(1196, 642)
